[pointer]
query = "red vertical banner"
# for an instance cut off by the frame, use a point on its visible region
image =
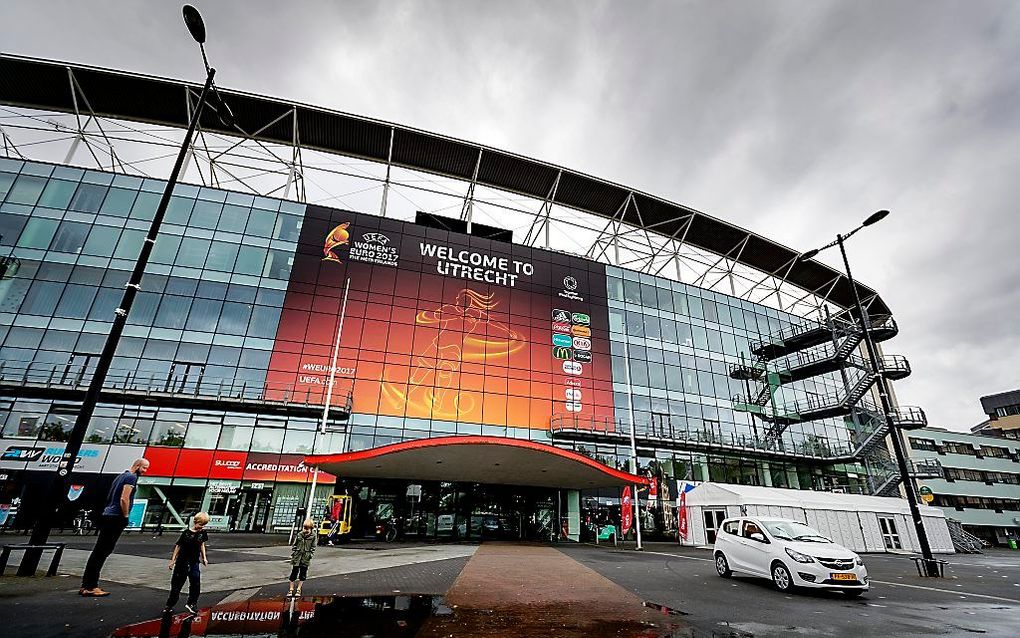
(682, 526)
(626, 511)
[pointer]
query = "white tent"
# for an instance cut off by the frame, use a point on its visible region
(860, 523)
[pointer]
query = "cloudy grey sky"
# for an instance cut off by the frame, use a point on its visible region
(794, 119)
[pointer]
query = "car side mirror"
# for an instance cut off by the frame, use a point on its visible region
(758, 536)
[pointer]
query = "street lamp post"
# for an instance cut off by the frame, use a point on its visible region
(899, 448)
(59, 484)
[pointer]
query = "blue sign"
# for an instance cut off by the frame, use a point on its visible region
(137, 513)
(564, 341)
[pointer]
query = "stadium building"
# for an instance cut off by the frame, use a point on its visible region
(512, 328)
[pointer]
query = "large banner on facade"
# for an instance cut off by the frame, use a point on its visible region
(442, 326)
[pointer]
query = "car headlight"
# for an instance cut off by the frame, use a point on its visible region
(797, 556)
(859, 561)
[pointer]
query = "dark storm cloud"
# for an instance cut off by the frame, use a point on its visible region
(794, 119)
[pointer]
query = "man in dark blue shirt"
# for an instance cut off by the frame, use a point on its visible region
(111, 523)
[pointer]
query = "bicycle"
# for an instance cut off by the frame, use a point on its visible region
(82, 524)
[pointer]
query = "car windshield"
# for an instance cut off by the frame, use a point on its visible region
(794, 531)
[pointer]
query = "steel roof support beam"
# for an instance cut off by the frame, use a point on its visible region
(389, 168)
(467, 212)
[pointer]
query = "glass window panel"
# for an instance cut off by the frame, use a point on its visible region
(668, 329)
(168, 433)
(88, 198)
(205, 214)
(70, 237)
(287, 228)
(204, 315)
(173, 312)
(106, 302)
(616, 320)
(143, 311)
(632, 291)
(178, 211)
(665, 299)
(235, 437)
(711, 314)
(250, 260)
(102, 240)
(6, 180)
(166, 248)
(267, 440)
(75, 301)
(38, 233)
(26, 190)
(680, 303)
(614, 288)
(233, 218)
(222, 256)
(11, 227)
(118, 202)
(202, 435)
(278, 265)
(264, 321)
(261, 223)
(635, 324)
(145, 206)
(648, 296)
(193, 252)
(651, 326)
(298, 441)
(42, 298)
(130, 245)
(57, 194)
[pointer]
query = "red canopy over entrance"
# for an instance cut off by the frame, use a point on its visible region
(476, 459)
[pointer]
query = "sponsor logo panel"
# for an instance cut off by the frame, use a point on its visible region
(572, 367)
(560, 315)
(580, 331)
(580, 318)
(562, 326)
(560, 352)
(564, 341)
(582, 343)
(582, 356)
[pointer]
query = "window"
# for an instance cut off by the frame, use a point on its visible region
(890, 537)
(923, 444)
(38, 233)
(731, 527)
(88, 198)
(26, 190)
(70, 237)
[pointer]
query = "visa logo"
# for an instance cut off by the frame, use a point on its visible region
(572, 367)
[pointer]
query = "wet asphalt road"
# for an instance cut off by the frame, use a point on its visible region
(980, 596)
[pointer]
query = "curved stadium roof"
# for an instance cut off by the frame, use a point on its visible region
(44, 85)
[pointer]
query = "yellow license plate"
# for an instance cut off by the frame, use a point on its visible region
(843, 576)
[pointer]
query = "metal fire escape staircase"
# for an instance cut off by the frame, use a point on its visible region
(810, 349)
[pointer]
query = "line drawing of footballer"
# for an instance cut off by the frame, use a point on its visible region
(466, 333)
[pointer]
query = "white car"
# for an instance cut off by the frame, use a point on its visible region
(790, 553)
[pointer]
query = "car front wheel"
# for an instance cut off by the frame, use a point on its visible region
(781, 577)
(722, 567)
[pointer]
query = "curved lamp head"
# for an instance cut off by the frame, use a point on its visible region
(875, 217)
(193, 19)
(809, 254)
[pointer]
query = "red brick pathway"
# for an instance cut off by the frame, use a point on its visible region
(532, 590)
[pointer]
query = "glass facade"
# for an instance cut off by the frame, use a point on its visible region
(238, 304)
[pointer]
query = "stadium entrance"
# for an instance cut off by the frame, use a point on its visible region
(468, 488)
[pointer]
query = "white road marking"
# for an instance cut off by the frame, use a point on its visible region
(948, 591)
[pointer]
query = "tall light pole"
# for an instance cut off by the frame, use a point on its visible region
(899, 448)
(59, 484)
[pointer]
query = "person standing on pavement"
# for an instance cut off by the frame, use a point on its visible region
(112, 521)
(189, 553)
(301, 556)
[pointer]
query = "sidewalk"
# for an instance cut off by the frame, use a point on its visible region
(534, 590)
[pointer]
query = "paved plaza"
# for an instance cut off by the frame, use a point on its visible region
(502, 589)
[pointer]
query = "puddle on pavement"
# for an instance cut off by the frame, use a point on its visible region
(418, 616)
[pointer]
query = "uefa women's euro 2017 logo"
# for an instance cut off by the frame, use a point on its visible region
(335, 239)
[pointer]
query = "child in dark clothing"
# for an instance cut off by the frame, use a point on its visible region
(189, 553)
(301, 556)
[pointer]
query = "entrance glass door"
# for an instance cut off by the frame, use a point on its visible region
(713, 521)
